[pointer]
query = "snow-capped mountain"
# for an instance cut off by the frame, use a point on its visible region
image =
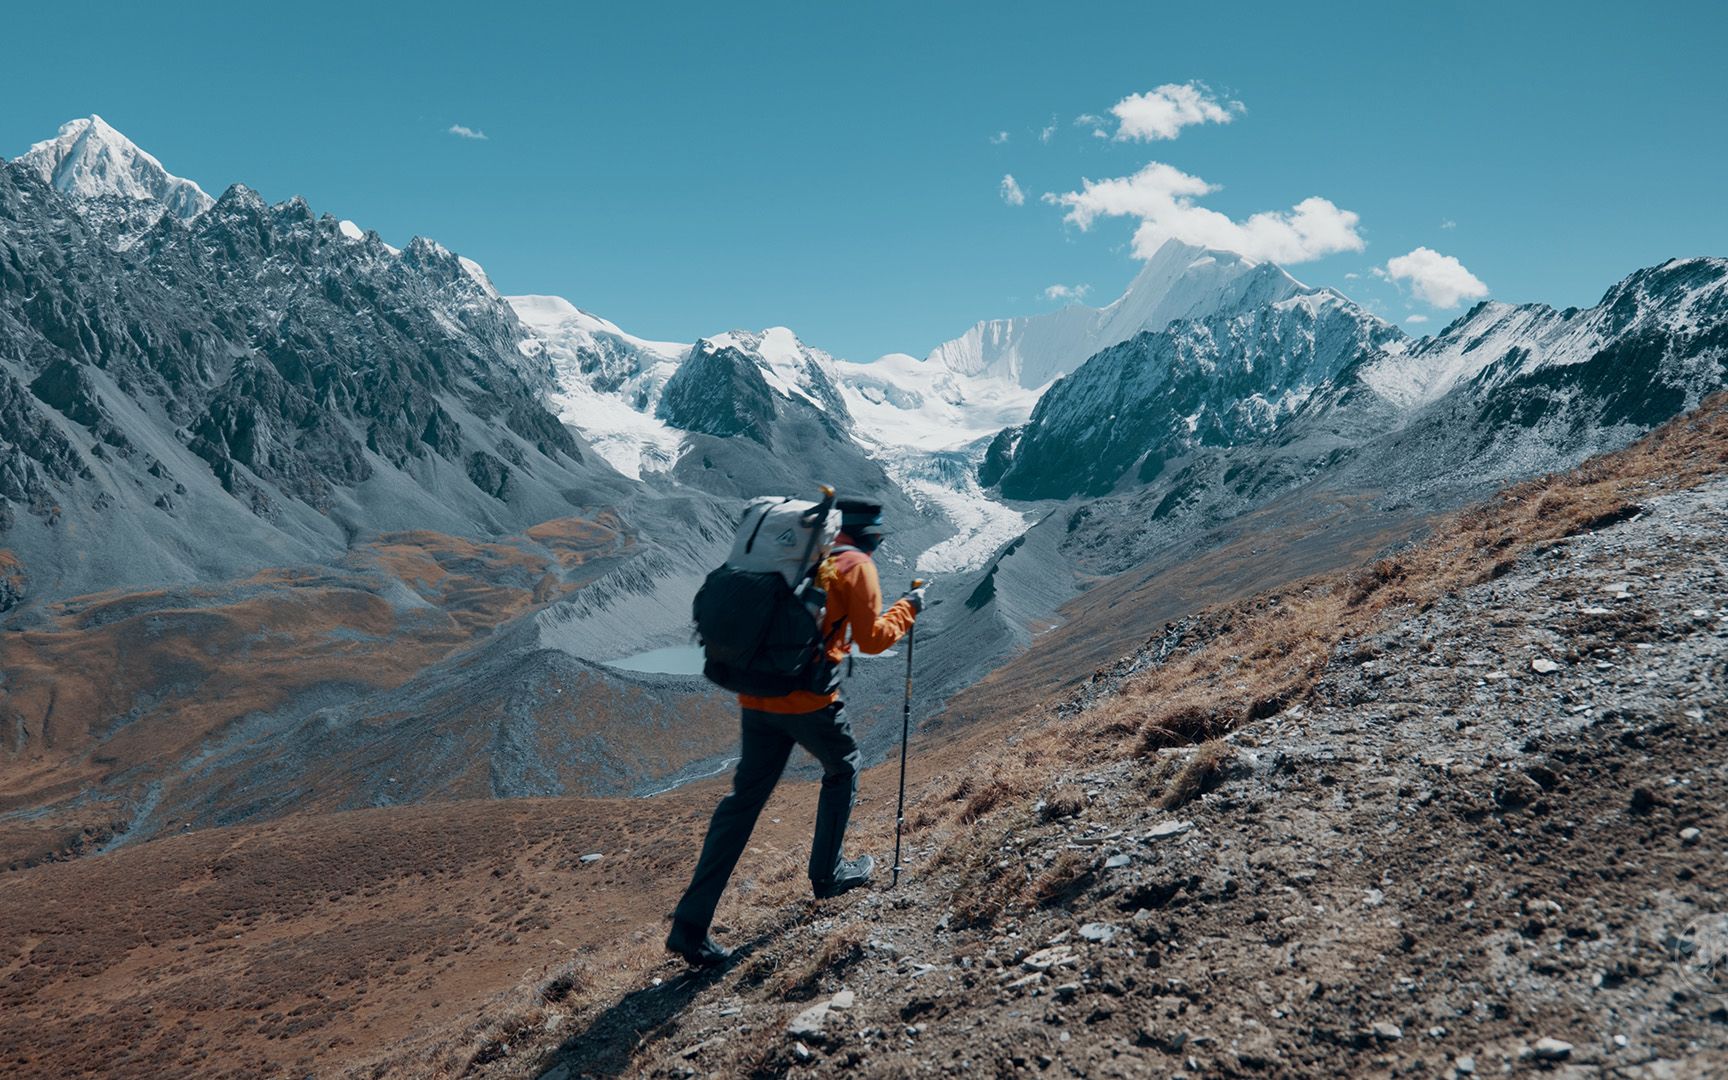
(1675, 302)
(605, 382)
(1217, 414)
(1217, 381)
(1180, 281)
(112, 177)
(740, 383)
(252, 386)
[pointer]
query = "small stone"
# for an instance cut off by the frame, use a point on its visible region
(1552, 1049)
(1544, 666)
(808, 1024)
(1622, 1041)
(1100, 932)
(1168, 828)
(1117, 862)
(1465, 1066)
(801, 1052)
(1045, 959)
(1689, 836)
(1067, 990)
(1597, 611)
(593, 856)
(843, 1000)
(1388, 1032)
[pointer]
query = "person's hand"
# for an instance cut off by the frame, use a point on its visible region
(916, 597)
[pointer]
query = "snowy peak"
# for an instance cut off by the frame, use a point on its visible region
(1495, 340)
(1180, 281)
(792, 369)
(91, 160)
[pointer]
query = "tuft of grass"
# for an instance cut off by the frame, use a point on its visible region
(1196, 775)
(838, 951)
(1063, 880)
(1067, 800)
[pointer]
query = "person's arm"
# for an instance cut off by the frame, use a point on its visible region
(873, 632)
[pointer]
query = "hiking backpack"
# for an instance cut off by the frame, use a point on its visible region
(759, 615)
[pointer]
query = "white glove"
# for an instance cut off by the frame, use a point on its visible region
(916, 598)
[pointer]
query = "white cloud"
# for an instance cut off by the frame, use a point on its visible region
(1093, 121)
(1162, 197)
(1436, 279)
(1448, 224)
(462, 131)
(1048, 133)
(1075, 293)
(1164, 112)
(1351, 276)
(999, 138)
(1415, 318)
(1010, 191)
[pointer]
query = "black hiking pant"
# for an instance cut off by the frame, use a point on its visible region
(767, 743)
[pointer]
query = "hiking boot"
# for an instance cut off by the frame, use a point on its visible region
(695, 946)
(853, 874)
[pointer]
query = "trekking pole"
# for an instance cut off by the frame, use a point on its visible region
(905, 733)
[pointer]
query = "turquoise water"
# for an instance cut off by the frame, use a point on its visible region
(670, 660)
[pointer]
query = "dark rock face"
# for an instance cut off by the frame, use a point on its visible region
(488, 473)
(728, 386)
(720, 392)
(12, 582)
(999, 455)
(36, 459)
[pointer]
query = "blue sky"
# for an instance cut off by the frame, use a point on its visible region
(688, 168)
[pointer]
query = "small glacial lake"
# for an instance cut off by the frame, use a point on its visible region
(670, 660)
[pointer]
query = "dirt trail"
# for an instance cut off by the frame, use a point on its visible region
(1491, 839)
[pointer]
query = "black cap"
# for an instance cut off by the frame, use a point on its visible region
(859, 517)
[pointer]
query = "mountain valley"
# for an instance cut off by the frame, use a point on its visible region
(311, 545)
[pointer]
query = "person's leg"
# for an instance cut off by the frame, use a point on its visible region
(828, 736)
(761, 759)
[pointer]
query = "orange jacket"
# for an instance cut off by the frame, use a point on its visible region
(854, 598)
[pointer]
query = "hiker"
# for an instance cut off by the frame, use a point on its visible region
(812, 719)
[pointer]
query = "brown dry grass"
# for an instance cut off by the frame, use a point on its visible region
(1257, 658)
(838, 950)
(1065, 800)
(1195, 775)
